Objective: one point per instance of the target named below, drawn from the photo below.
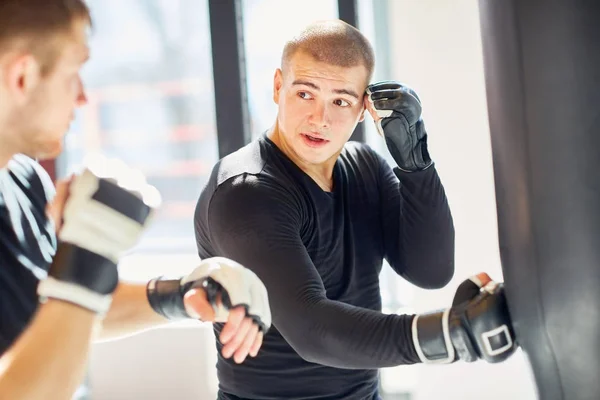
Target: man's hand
(218, 290)
(240, 336)
(99, 214)
(396, 110)
(470, 288)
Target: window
(151, 104)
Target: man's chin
(48, 152)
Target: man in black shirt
(314, 217)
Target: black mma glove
(221, 278)
(108, 207)
(400, 123)
(477, 326)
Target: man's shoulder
(244, 178)
(25, 166)
(30, 177)
(244, 191)
(249, 160)
(26, 233)
(249, 170)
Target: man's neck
(4, 158)
(322, 173)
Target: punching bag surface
(542, 69)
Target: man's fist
(103, 212)
(477, 326)
(227, 285)
(218, 290)
(396, 110)
(108, 207)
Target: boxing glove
(107, 209)
(477, 326)
(399, 110)
(227, 285)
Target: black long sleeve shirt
(320, 254)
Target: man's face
(319, 106)
(44, 112)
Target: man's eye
(341, 103)
(304, 95)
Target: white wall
(435, 47)
(171, 363)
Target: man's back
(341, 232)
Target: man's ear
(364, 109)
(362, 115)
(21, 75)
(277, 84)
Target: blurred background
(151, 82)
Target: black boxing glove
(475, 327)
(400, 123)
(222, 279)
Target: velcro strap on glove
(431, 337)
(71, 278)
(51, 288)
(166, 298)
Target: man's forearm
(49, 359)
(130, 313)
(338, 335)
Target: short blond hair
(34, 24)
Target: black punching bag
(542, 68)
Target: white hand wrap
(105, 214)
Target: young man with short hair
(62, 248)
(314, 216)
